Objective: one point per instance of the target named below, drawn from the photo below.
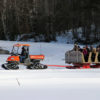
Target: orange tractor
(31, 61)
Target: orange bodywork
(38, 57)
(17, 58)
(13, 58)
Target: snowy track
(50, 85)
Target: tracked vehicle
(30, 61)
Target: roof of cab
(19, 45)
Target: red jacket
(85, 52)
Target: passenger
(75, 47)
(99, 46)
(88, 51)
(91, 48)
(93, 54)
(85, 53)
(80, 49)
(98, 50)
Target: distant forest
(49, 18)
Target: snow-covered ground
(49, 84)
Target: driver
(23, 54)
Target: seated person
(75, 47)
(98, 50)
(99, 57)
(85, 53)
(93, 55)
(23, 55)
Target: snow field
(49, 84)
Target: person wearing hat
(23, 54)
(75, 47)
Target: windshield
(18, 51)
(15, 50)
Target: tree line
(49, 18)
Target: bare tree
(4, 18)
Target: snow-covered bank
(64, 37)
